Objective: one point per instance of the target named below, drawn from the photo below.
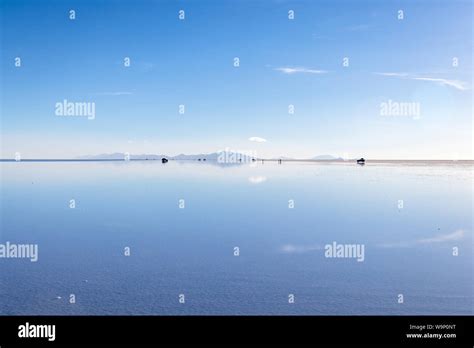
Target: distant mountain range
(119, 155)
(209, 156)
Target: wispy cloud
(457, 84)
(257, 179)
(298, 249)
(462, 86)
(456, 235)
(115, 93)
(258, 139)
(441, 238)
(295, 70)
(395, 74)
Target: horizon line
(256, 159)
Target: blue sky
(282, 62)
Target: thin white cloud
(116, 93)
(298, 249)
(257, 179)
(456, 235)
(258, 139)
(457, 84)
(391, 74)
(441, 238)
(460, 85)
(294, 70)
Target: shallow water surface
(183, 220)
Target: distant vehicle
(164, 160)
(361, 161)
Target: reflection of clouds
(441, 238)
(257, 179)
(298, 249)
(457, 235)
